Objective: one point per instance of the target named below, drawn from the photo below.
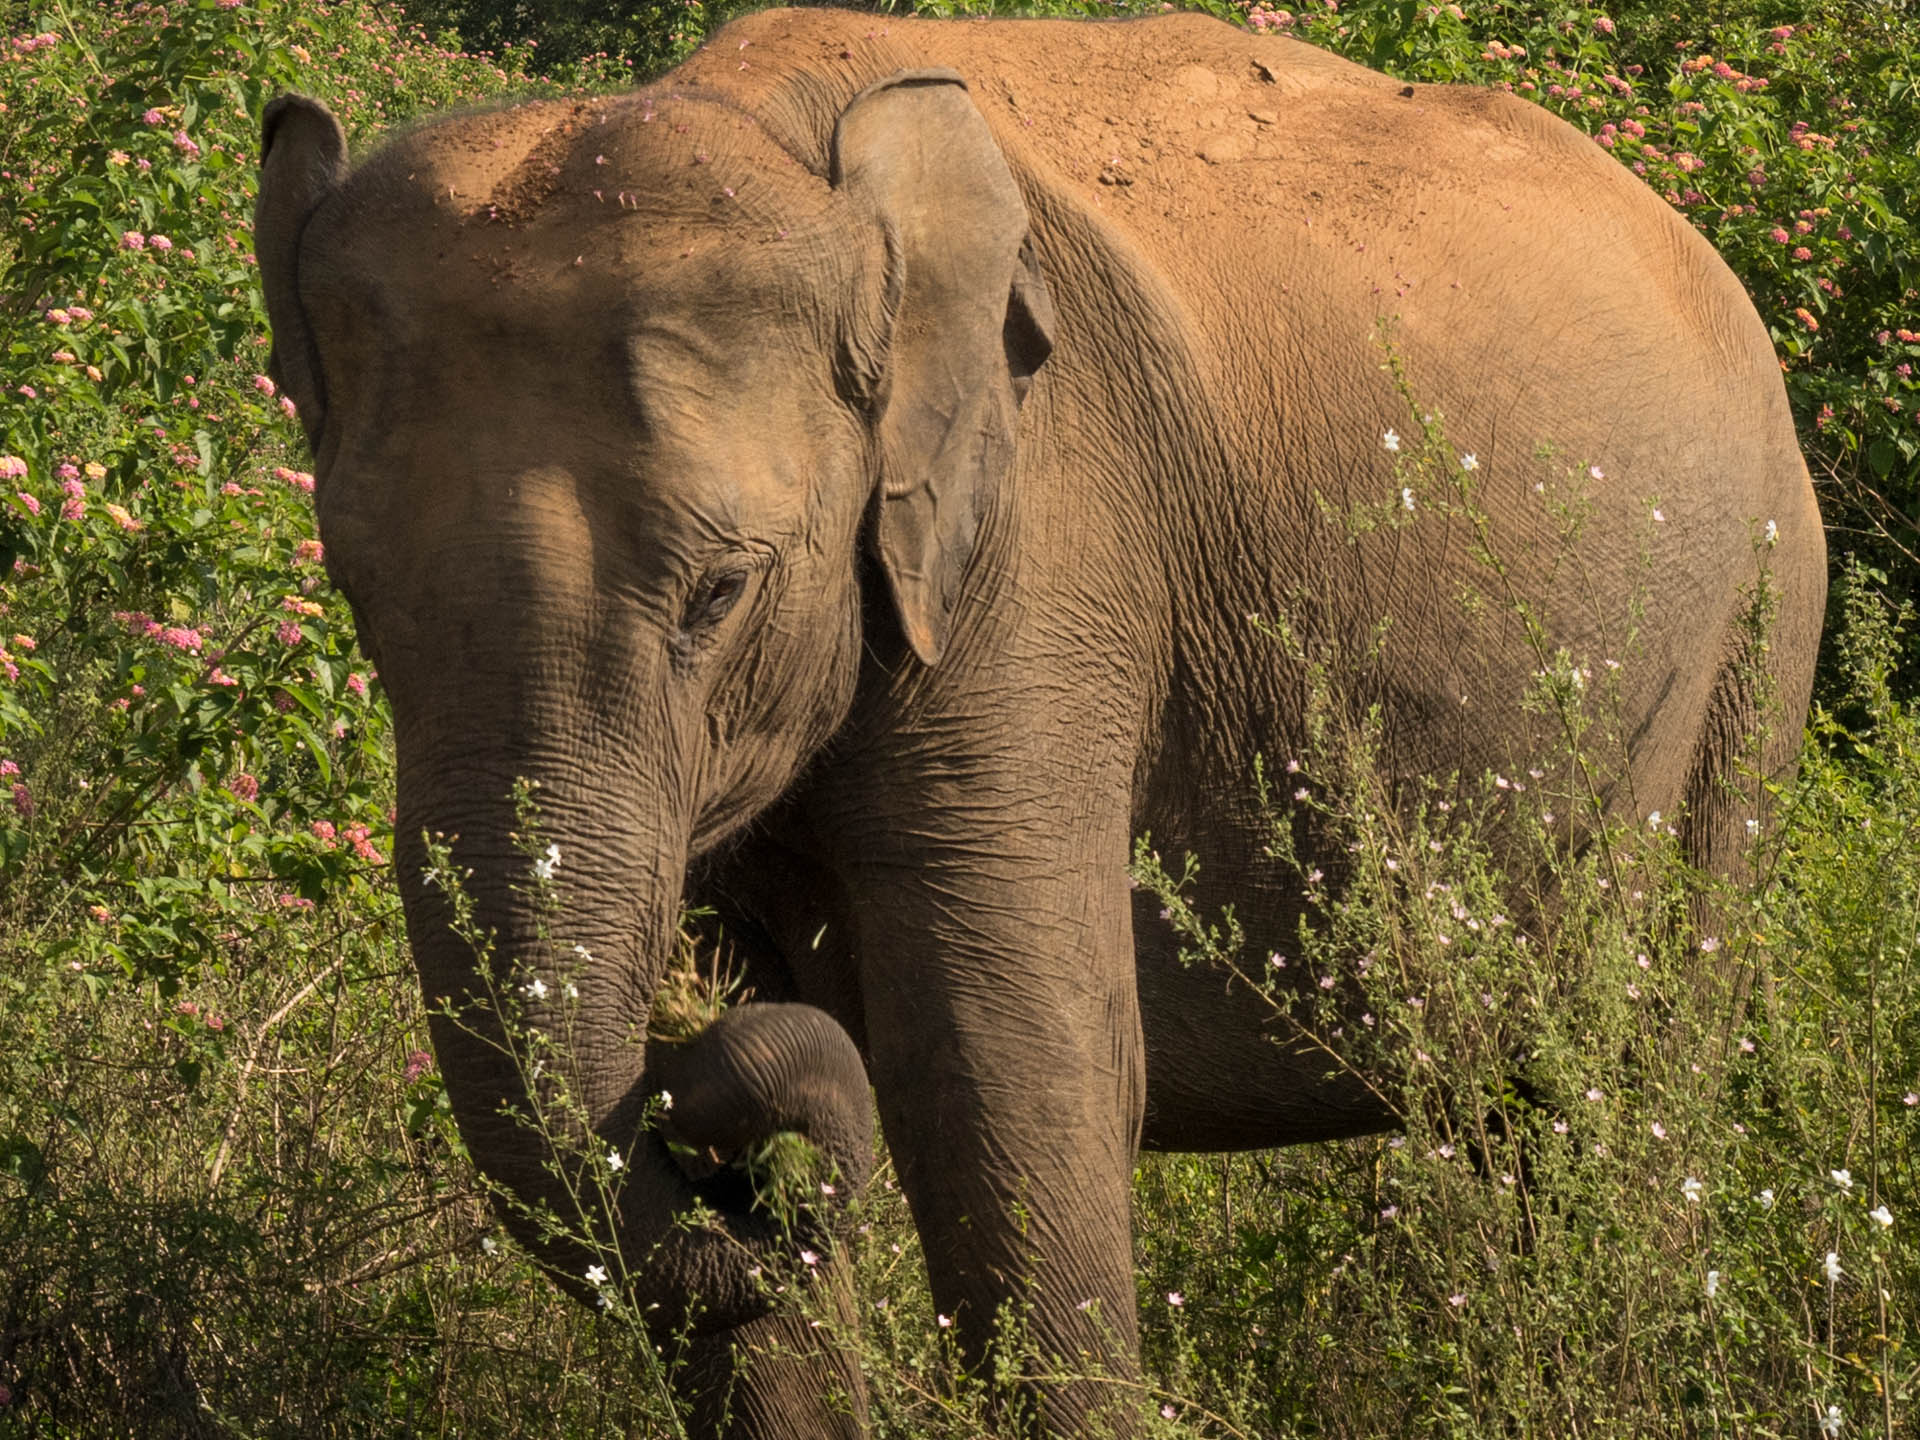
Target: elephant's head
(613, 405)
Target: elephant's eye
(713, 598)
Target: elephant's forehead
(583, 220)
(665, 156)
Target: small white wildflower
(809, 1257)
(945, 1321)
(1710, 944)
(1176, 1299)
(1830, 1422)
(1842, 1178)
(1773, 532)
(583, 953)
(615, 1160)
(1653, 820)
(666, 1099)
(1456, 1301)
(1658, 518)
(1765, 1197)
(1713, 1283)
(1167, 1412)
(1659, 1130)
(825, 1188)
(1691, 1188)
(1086, 1304)
(543, 867)
(596, 1274)
(1881, 1216)
(537, 988)
(1832, 1266)
(489, 1245)
(1469, 462)
(1594, 472)
(1406, 497)
(1391, 441)
(573, 991)
(1753, 828)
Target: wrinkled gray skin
(841, 475)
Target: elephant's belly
(1223, 1071)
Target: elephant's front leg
(1004, 1034)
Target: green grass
(231, 1198)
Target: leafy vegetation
(231, 1199)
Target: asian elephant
(846, 477)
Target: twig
(246, 1071)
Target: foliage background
(230, 1199)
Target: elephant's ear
(303, 160)
(969, 323)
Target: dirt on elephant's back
(1430, 203)
(1181, 116)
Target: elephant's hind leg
(1744, 749)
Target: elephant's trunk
(542, 1043)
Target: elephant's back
(1291, 199)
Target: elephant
(853, 477)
